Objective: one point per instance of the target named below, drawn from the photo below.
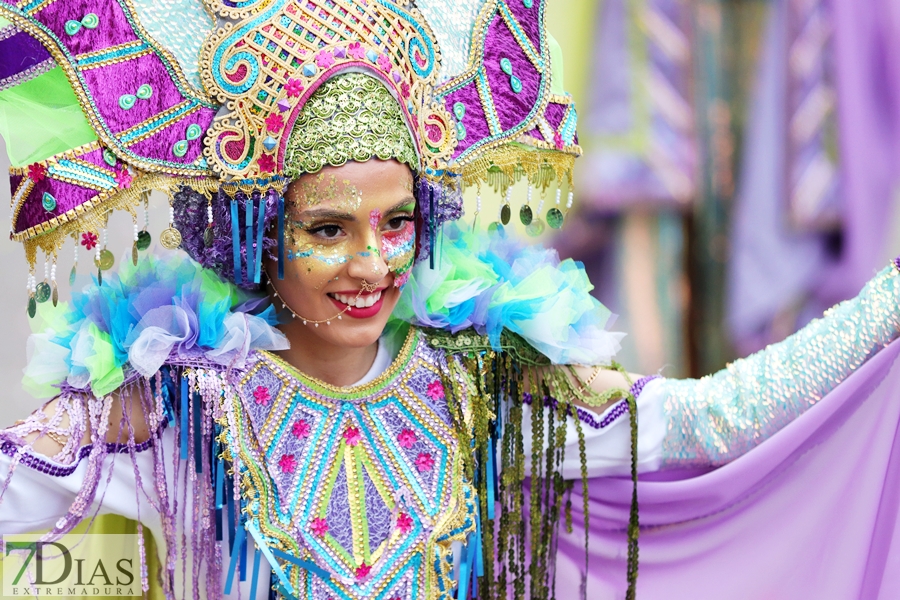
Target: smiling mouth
(354, 301)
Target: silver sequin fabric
(713, 420)
(181, 27)
(452, 24)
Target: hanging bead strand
(134, 245)
(74, 270)
(54, 293)
(525, 214)
(554, 215)
(143, 237)
(208, 232)
(170, 238)
(29, 289)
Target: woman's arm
(716, 419)
(713, 420)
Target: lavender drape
(810, 513)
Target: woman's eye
(326, 231)
(397, 223)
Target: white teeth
(358, 302)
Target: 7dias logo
(89, 565)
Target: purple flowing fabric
(810, 513)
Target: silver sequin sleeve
(714, 420)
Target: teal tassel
(280, 237)
(236, 241)
(248, 208)
(235, 552)
(184, 418)
(260, 225)
(254, 582)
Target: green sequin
(350, 117)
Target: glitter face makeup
(350, 240)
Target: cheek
(399, 250)
(318, 259)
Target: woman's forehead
(350, 186)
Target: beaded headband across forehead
(106, 100)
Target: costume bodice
(364, 482)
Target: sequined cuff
(713, 420)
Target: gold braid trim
(93, 215)
(508, 164)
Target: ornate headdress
(108, 99)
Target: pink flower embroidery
(557, 139)
(293, 88)
(424, 462)
(363, 570)
(301, 429)
(407, 438)
(356, 51)
(274, 122)
(89, 240)
(435, 390)
(37, 172)
(404, 523)
(404, 89)
(123, 178)
(261, 394)
(352, 436)
(325, 59)
(319, 527)
(384, 63)
(266, 163)
(287, 463)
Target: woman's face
(349, 246)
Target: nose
(368, 263)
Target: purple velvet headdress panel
(504, 108)
(133, 92)
(21, 57)
(56, 191)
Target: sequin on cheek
(399, 248)
(374, 219)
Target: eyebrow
(327, 213)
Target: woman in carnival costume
(337, 381)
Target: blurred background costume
(362, 492)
